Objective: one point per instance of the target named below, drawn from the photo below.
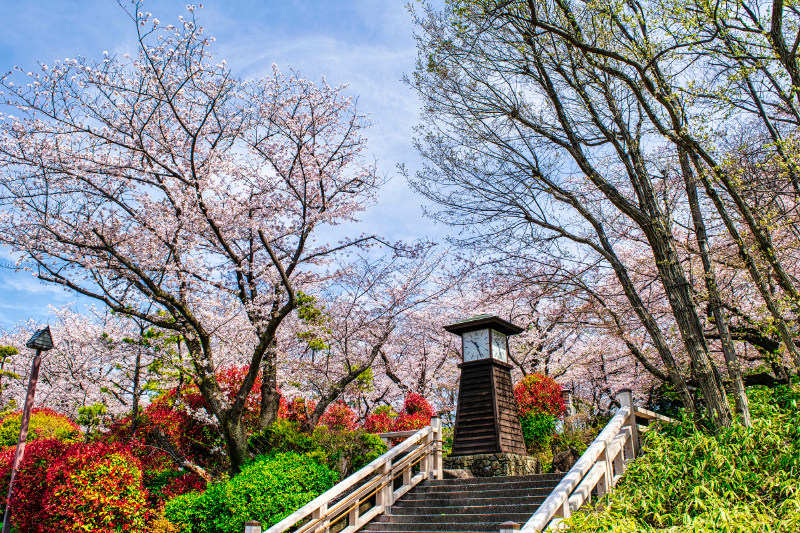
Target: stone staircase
(466, 505)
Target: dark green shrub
(537, 429)
(267, 489)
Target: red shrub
(379, 423)
(411, 421)
(299, 409)
(416, 414)
(539, 394)
(339, 416)
(230, 379)
(31, 484)
(181, 485)
(95, 487)
(417, 404)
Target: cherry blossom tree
(176, 194)
(98, 358)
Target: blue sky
(367, 44)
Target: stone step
(485, 487)
(453, 518)
(473, 499)
(461, 527)
(492, 480)
(528, 508)
(484, 493)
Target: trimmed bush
(76, 488)
(537, 429)
(341, 450)
(267, 489)
(44, 424)
(184, 511)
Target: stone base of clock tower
(495, 464)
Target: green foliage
(344, 450)
(537, 429)
(7, 351)
(267, 489)
(691, 480)
(90, 416)
(184, 511)
(315, 318)
(44, 424)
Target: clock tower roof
(481, 322)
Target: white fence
(348, 506)
(597, 471)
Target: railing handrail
(621, 433)
(560, 495)
(350, 481)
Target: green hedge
(342, 450)
(267, 489)
(739, 480)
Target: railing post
(318, 514)
(426, 462)
(605, 483)
(509, 527)
(625, 397)
(436, 426)
(353, 516)
(385, 494)
(252, 527)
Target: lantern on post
(487, 419)
(41, 342)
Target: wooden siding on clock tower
(487, 419)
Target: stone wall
(494, 464)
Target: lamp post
(41, 342)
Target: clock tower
(487, 420)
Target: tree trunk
(676, 287)
(136, 392)
(270, 396)
(235, 435)
(714, 300)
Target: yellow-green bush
(693, 481)
(44, 424)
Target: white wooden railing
(597, 470)
(348, 506)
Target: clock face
(476, 345)
(499, 346)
